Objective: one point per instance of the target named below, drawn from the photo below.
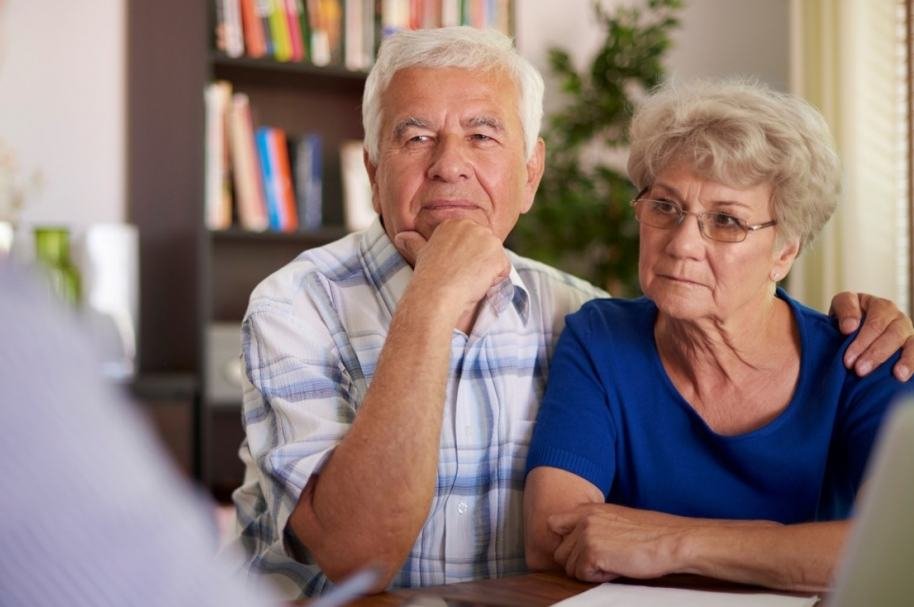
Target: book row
(262, 178)
(339, 32)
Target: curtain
(848, 57)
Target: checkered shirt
(311, 340)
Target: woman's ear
(784, 259)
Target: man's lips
(448, 205)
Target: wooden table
(535, 590)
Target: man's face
(452, 147)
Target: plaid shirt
(311, 340)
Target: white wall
(716, 38)
(63, 106)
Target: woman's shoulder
(816, 326)
(615, 316)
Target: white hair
(741, 133)
(452, 47)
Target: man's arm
(371, 498)
(885, 329)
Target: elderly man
(394, 375)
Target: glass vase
(52, 249)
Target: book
(358, 212)
(353, 22)
(293, 19)
(218, 194)
(282, 176)
(326, 21)
(263, 8)
(320, 39)
(252, 213)
(254, 39)
(279, 31)
(267, 169)
(395, 16)
(307, 171)
(232, 33)
(450, 12)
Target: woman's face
(690, 277)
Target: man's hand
(884, 331)
(462, 258)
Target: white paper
(627, 595)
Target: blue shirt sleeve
(574, 429)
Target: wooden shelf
(221, 61)
(322, 235)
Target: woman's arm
(603, 541)
(549, 491)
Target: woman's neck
(738, 371)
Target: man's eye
(417, 139)
(664, 207)
(481, 137)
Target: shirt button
(462, 508)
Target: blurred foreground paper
(627, 595)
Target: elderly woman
(732, 442)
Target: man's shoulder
(335, 262)
(545, 279)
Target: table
(536, 590)
(533, 589)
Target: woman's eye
(722, 220)
(665, 207)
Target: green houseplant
(582, 221)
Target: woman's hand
(604, 541)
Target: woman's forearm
(800, 557)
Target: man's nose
(450, 161)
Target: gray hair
(742, 133)
(456, 47)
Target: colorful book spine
(218, 194)
(293, 21)
(264, 7)
(307, 169)
(232, 30)
(279, 31)
(267, 169)
(319, 39)
(245, 166)
(282, 175)
(254, 39)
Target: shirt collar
(389, 274)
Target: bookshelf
(193, 279)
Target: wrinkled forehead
(482, 91)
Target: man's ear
(535, 166)
(372, 178)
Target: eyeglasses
(713, 225)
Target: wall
(63, 106)
(717, 37)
